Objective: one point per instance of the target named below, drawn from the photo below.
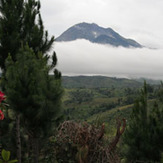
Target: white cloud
(84, 58)
(137, 19)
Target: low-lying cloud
(136, 19)
(84, 58)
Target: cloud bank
(140, 20)
(84, 58)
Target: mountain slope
(96, 34)
(98, 82)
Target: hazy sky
(141, 20)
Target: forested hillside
(98, 82)
(103, 100)
(98, 97)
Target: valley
(100, 99)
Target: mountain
(96, 34)
(98, 82)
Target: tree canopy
(21, 24)
(142, 138)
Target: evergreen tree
(33, 94)
(160, 115)
(11, 17)
(34, 33)
(21, 23)
(142, 136)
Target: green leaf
(5, 155)
(12, 161)
(1, 161)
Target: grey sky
(82, 57)
(137, 19)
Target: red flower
(2, 96)
(1, 115)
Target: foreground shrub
(82, 142)
(6, 157)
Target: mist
(82, 57)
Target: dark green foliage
(33, 29)
(21, 24)
(10, 28)
(80, 96)
(160, 93)
(142, 138)
(32, 93)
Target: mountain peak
(96, 34)
(86, 24)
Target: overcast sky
(141, 20)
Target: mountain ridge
(96, 34)
(98, 82)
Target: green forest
(49, 118)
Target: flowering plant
(5, 155)
(1, 115)
(2, 97)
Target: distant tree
(160, 93)
(34, 95)
(160, 115)
(142, 135)
(80, 95)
